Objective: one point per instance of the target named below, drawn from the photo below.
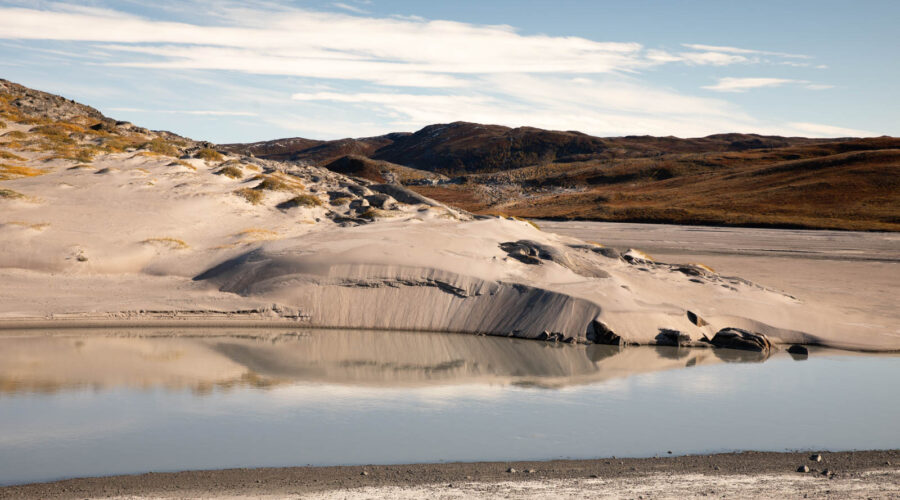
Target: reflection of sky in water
(830, 402)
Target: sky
(242, 71)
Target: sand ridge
(171, 230)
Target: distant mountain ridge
(463, 147)
(721, 179)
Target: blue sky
(255, 70)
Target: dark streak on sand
(304, 480)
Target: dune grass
(160, 146)
(6, 155)
(173, 243)
(183, 164)
(209, 154)
(9, 194)
(231, 171)
(8, 172)
(278, 182)
(16, 134)
(302, 200)
(253, 196)
(254, 234)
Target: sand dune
(168, 230)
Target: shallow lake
(82, 403)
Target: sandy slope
(145, 238)
(137, 237)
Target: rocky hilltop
(103, 223)
(723, 179)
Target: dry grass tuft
(173, 243)
(302, 200)
(533, 224)
(16, 134)
(2, 124)
(119, 144)
(272, 184)
(232, 171)
(6, 155)
(183, 164)
(160, 146)
(253, 234)
(251, 195)
(39, 226)
(9, 194)
(58, 130)
(209, 154)
(8, 172)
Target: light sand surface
(138, 238)
(855, 273)
(152, 241)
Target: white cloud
(819, 130)
(736, 50)
(745, 84)
(201, 112)
(350, 8)
(711, 58)
(402, 72)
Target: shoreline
(879, 471)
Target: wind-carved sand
(105, 223)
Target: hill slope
(723, 179)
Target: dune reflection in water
(115, 402)
(204, 360)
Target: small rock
(363, 473)
(816, 458)
(669, 452)
(803, 468)
(716, 468)
(594, 476)
(826, 472)
(798, 349)
(511, 470)
(531, 471)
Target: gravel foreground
(861, 474)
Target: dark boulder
(736, 338)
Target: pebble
(511, 470)
(803, 468)
(531, 471)
(363, 473)
(816, 458)
(594, 476)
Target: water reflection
(205, 360)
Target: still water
(112, 402)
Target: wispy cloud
(737, 50)
(200, 112)
(350, 8)
(399, 72)
(744, 84)
(816, 129)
